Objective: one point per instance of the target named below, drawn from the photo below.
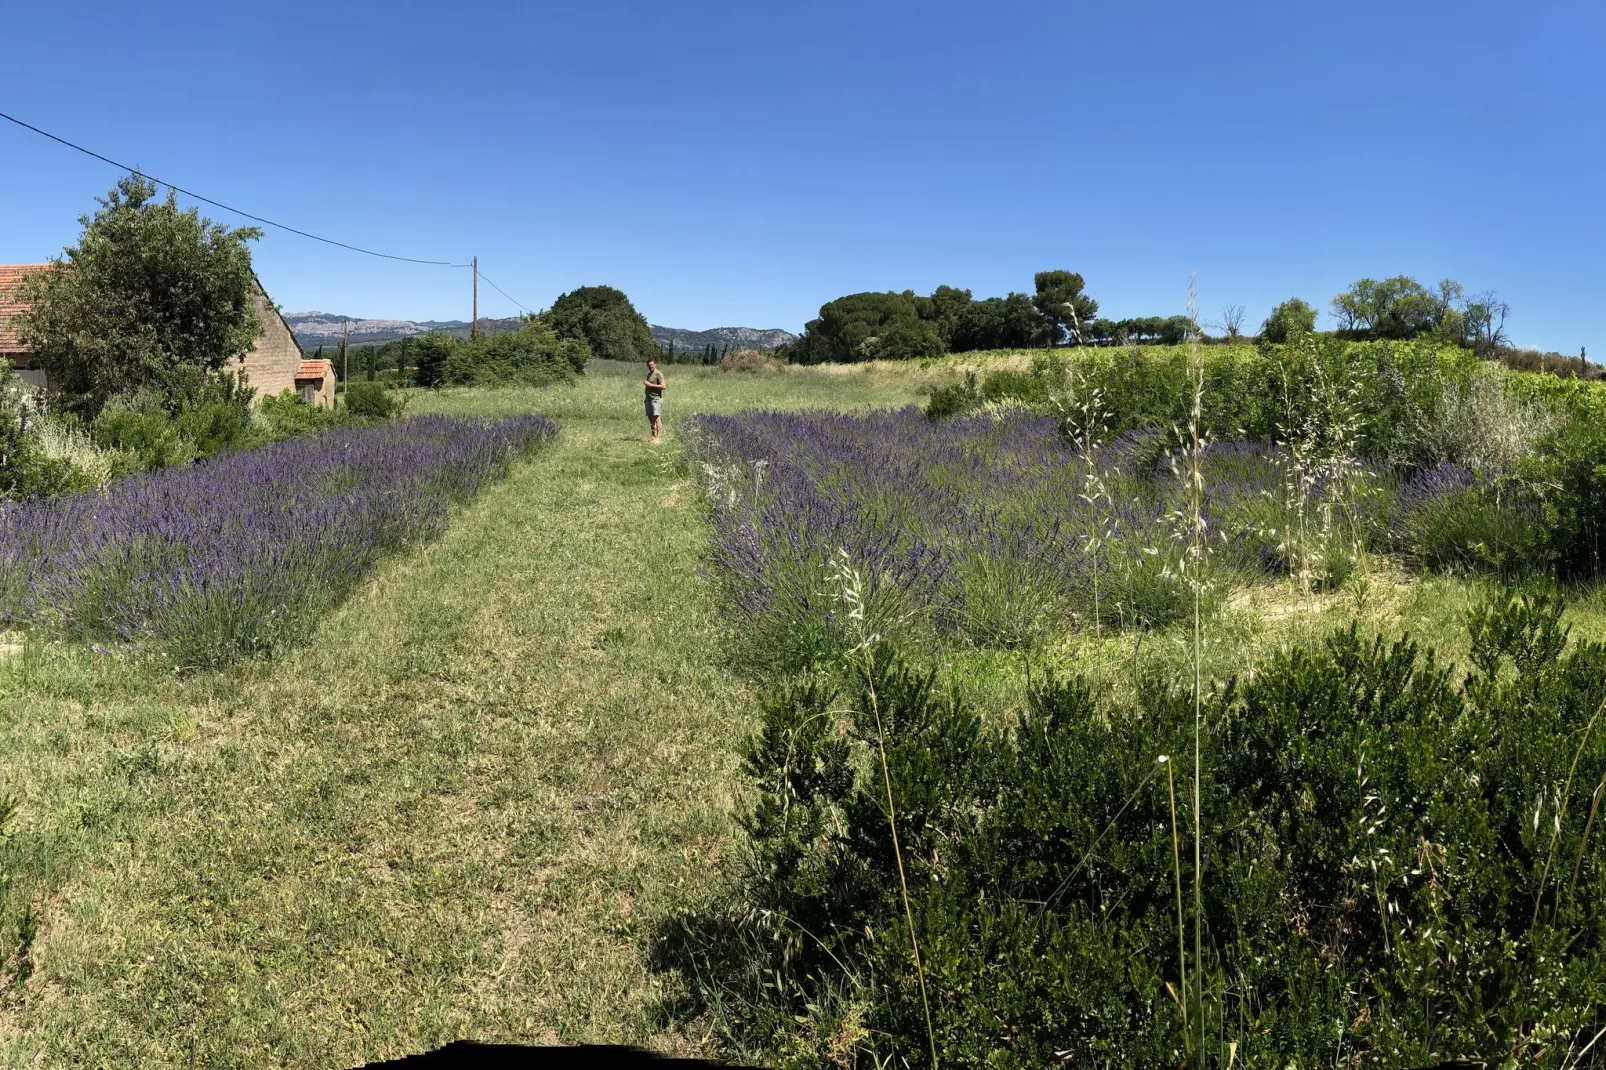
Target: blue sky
(739, 163)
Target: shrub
(374, 401)
(1024, 386)
(1487, 425)
(287, 415)
(1288, 321)
(1394, 866)
(954, 398)
(1533, 360)
(751, 361)
(144, 430)
(26, 471)
(429, 355)
(534, 355)
(1479, 526)
(62, 437)
(189, 414)
(1569, 475)
(1392, 392)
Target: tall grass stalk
(1196, 565)
(1088, 422)
(1176, 860)
(1561, 812)
(1583, 842)
(851, 592)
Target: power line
(249, 215)
(504, 293)
(229, 208)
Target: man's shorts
(655, 407)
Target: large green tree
(1062, 304)
(605, 320)
(1287, 321)
(944, 308)
(429, 354)
(998, 323)
(1399, 307)
(150, 292)
(869, 326)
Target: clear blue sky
(739, 163)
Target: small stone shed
(273, 366)
(315, 382)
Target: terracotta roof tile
(315, 369)
(11, 276)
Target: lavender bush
(238, 555)
(994, 530)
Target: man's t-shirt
(655, 385)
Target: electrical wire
(229, 208)
(504, 293)
(249, 215)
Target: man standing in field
(655, 401)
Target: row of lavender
(238, 555)
(999, 529)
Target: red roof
(315, 369)
(11, 277)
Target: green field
(463, 809)
(456, 813)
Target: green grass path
(457, 814)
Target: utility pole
(474, 327)
(345, 351)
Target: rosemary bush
(1399, 866)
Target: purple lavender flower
(237, 555)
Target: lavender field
(999, 531)
(237, 556)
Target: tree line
(583, 324)
(708, 355)
(1059, 311)
(905, 326)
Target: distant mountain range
(325, 328)
(313, 329)
(720, 337)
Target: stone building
(274, 365)
(11, 347)
(315, 382)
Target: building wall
(318, 391)
(31, 376)
(271, 366)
